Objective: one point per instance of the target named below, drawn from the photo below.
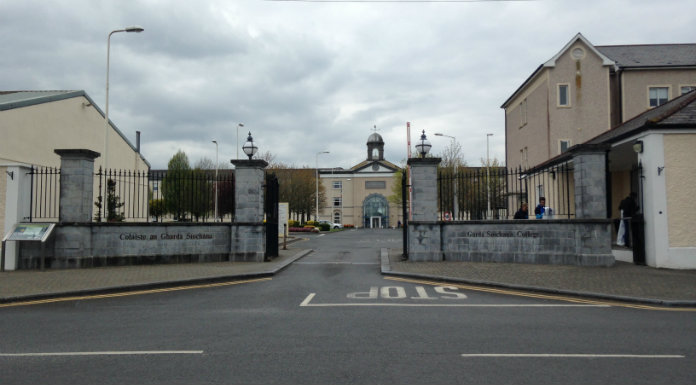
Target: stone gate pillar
(590, 178)
(424, 241)
(249, 237)
(249, 179)
(76, 184)
(73, 244)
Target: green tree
(395, 196)
(176, 185)
(202, 200)
(157, 208)
(297, 187)
(113, 203)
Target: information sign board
(30, 232)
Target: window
(540, 190)
(337, 217)
(687, 89)
(155, 186)
(563, 145)
(337, 184)
(523, 113)
(523, 156)
(375, 185)
(563, 95)
(658, 95)
(337, 201)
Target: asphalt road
(332, 318)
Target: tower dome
(375, 138)
(375, 147)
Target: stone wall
(564, 242)
(114, 244)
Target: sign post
(36, 232)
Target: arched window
(375, 211)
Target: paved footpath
(624, 281)
(24, 285)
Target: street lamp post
(456, 164)
(316, 179)
(216, 179)
(134, 28)
(238, 125)
(488, 176)
(423, 145)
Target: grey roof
(677, 113)
(651, 55)
(627, 57)
(17, 99)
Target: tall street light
(456, 164)
(216, 179)
(239, 125)
(316, 194)
(134, 28)
(488, 175)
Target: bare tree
(452, 155)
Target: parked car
(333, 225)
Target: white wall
(658, 252)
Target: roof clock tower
(375, 147)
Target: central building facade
(360, 196)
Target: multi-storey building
(638, 102)
(359, 196)
(585, 90)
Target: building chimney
(137, 142)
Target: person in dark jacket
(628, 208)
(541, 207)
(523, 212)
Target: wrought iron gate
(271, 208)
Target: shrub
(348, 226)
(324, 227)
(311, 223)
(309, 229)
(293, 223)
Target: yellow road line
(129, 293)
(541, 296)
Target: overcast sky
(307, 76)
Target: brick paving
(621, 281)
(32, 284)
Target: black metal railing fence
(165, 196)
(141, 196)
(498, 192)
(45, 193)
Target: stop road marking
(399, 292)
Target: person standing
(522, 213)
(628, 208)
(539, 210)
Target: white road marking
(106, 353)
(572, 356)
(335, 263)
(306, 303)
(308, 299)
